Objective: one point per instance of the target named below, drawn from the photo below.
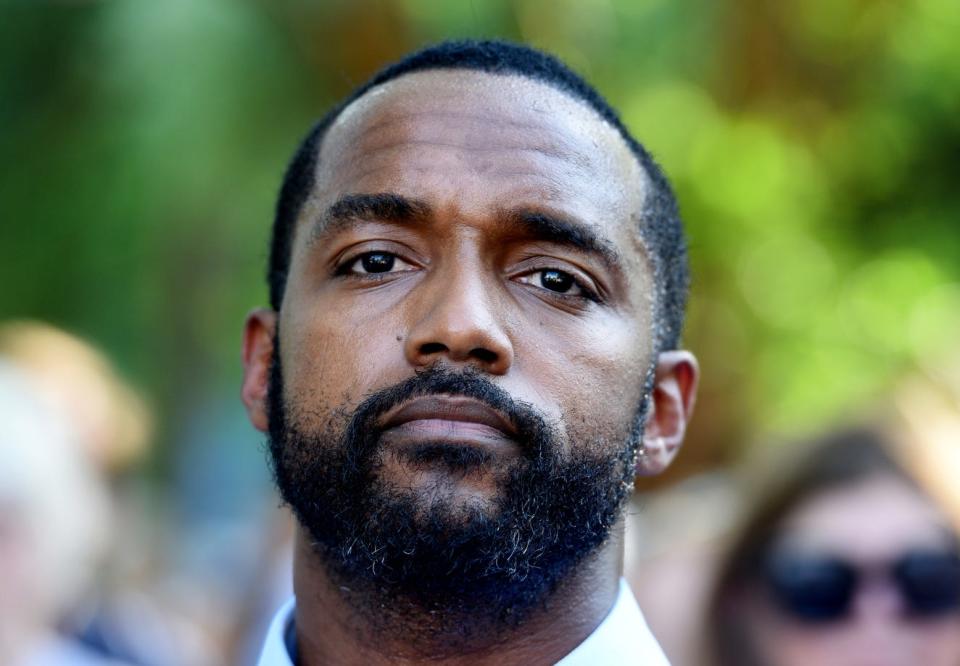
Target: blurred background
(814, 146)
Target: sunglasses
(818, 589)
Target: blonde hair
(111, 420)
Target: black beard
(475, 570)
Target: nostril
(484, 355)
(432, 348)
(481, 354)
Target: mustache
(364, 428)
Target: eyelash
(587, 293)
(343, 269)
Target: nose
(878, 603)
(457, 320)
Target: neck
(334, 625)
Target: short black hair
(661, 226)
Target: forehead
(472, 142)
(876, 517)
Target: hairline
(338, 114)
(647, 183)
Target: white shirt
(622, 638)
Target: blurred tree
(813, 143)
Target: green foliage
(814, 146)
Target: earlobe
(671, 406)
(258, 349)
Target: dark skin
(463, 218)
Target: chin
(464, 481)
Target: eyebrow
(557, 229)
(380, 206)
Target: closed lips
(441, 408)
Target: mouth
(443, 419)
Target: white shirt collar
(622, 638)
(275, 646)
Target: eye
(559, 282)
(373, 263)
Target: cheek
(898, 643)
(937, 643)
(593, 371)
(334, 356)
(780, 643)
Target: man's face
(463, 282)
(468, 272)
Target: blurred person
(54, 528)
(111, 420)
(477, 282)
(121, 613)
(846, 560)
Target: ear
(671, 405)
(258, 333)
